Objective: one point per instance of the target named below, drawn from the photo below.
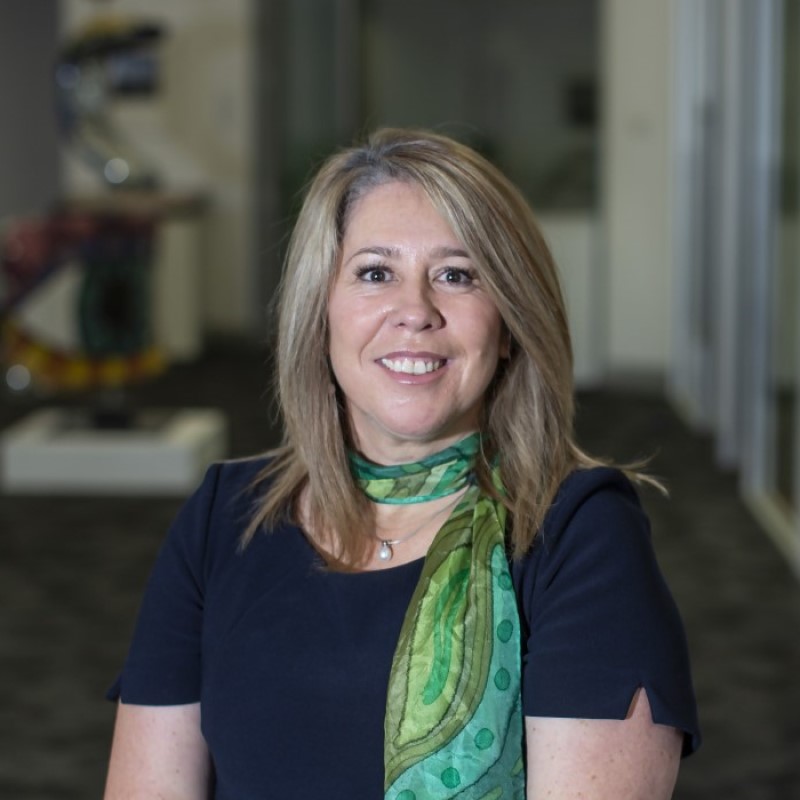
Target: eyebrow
(394, 252)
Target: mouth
(412, 366)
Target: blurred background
(152, 156)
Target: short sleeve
(163, 666)
(599, 620)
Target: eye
(373, 274)
(456, 276)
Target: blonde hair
(527, 422)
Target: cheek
(493, 337)
(348, 340)
(488, 345)
(353, 325)
(338, 354)
(340, 328)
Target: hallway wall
(636, 184)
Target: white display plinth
(56, 451)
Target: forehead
(396, 213)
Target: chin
(394, 429)
(432, 433)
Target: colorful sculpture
(75, 300)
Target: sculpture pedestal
(57, 451)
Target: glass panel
(520, 85)
(309, 92)
(786, 297)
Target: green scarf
(453, 724)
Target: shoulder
(602, 493)
(595, 533)
(596, 508)
(212, 517)
(235, 476)
(229, 484)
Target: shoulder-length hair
(527, 417)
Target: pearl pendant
(385, 552)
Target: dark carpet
(72, 570)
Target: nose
(415, 308)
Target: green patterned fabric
(453, 725)
(436, 476)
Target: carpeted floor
(72, 569)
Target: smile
(411, 366)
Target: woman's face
(414, 338)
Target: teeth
(411, 366)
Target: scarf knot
(438, 475)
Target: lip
(427, 355)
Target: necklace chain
(385, 551)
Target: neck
(421, 492)
(404, 533)
(392, 452)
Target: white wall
(199, 133)
(574, 240)
(637, 181)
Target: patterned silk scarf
(453, 725)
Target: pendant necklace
(385, 552)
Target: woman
(429, 591)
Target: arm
(630, 759)
(158, 753)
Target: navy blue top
(291, 663)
